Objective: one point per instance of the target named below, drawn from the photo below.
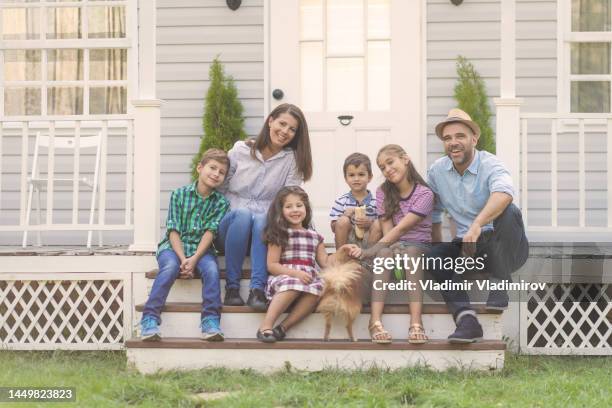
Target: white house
(135, 73)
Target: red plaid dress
(300, 253)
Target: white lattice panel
(567, 319)
(83, 313)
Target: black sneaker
(468, 330)
(232, 298)
(257, 300)
(498, 300)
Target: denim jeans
(506, 249)
(239, 230)
(169, 265)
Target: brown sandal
(378, 333)
(416, 334)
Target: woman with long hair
(279, 156)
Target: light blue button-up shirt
(464, 196)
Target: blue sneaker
(149, 329)
(210, 329)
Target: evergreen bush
(471, 96)
(223, 123)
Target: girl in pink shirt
(404, 204)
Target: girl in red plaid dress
(293, 252)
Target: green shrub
(471, 96)
(223, 122)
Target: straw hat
(457, 115)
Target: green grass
(102, 380)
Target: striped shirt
(191, 216)
(420, 201)
(348, 200)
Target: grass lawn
(102, 380)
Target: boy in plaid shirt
(193, 219)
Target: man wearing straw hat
(475, 188)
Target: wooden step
(246, 274)
(187, 307)
(190, 290)
(183, 319)
(305, 344)
(193, 353)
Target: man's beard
(467, 157)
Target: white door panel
(349, 57)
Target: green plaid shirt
(191, 216)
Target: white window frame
(129, 43)
(565, 37)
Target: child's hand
(363, 222)
(352, 250)
(304, 277)
(187, 268)
(355, 252)
(349, 212)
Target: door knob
(278, 94)
(345, 120)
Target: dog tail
(341, 278)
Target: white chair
(36, 183)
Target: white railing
(17, 138)
(580, 126)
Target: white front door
(355, 58)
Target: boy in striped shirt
(194, 214)
(357, 170)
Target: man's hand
(470, 238)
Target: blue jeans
(505, 248)
(169, 266)
(238, 230)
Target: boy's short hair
(216, 155)
(357, 159)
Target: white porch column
(507, 130)
(147, 129)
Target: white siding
(190, 34)
(473, 30)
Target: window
(64, 57)
(587, 47)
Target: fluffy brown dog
(341, 294)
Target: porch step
(246, 273)
(182, 320)
(301, 354)
(189, 290)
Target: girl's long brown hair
(392, 195)
(276, 231)
(300, 143)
